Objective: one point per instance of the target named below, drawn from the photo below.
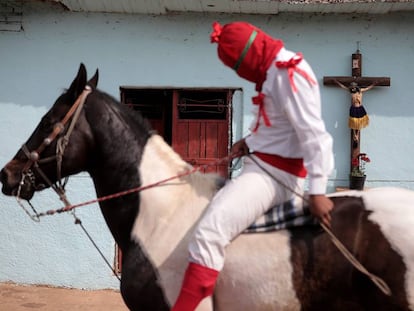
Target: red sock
(198, 283)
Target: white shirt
(297, 129)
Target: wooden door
(201, 128)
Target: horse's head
(58, 146)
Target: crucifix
(356, 85)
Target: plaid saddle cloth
(290, 214)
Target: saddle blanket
(292, 213)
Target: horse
(298, 268)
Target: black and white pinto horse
(295, 269)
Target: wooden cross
(363, 83)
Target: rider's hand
(320, 207)
(240, 148)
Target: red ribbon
(291, 68)
(215, 35)
(259, 100)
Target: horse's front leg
(140, 286)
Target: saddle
(292, 213)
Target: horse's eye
(46, 125)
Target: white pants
(236, 206)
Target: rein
(68, 208)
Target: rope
(381, 284)
(79, 222)
(69, 207)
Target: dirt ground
(41, 298)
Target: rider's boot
(198, 283)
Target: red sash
(293, 166)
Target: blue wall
(174, 50)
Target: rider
(288, 138)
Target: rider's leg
(233, 209)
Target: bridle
(34, 160)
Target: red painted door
(201, 128)
(195, 122)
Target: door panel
(201, 128)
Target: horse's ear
(93, 82)
(78, 84)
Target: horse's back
(301, 269)
(257, 274)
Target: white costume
(296, 131)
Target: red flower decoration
(355, 162)
(358, 164)
(365, 158)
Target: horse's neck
(168, 212)
(119, 143)
(119, 140)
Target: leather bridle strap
(34, 156)
(63, 141)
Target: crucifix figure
(358, 117)
(356, 85)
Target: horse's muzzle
(13, 184)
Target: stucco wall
(39, 62)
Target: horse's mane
(133, 117)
